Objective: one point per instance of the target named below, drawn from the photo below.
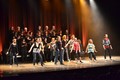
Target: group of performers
(50, 44)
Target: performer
(81, 48)
(37, 46)
(46, 53)
(77, 50)
(53, 32)
(59, 51)
(64, 42)
(40, 30)
(52, 47)
(24, 50)
(91, 50)
(107, 46)
(11, 34)
(13, 52)
(70, 45)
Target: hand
(6, 53)
(29, 51)
(96, 51)
(104, 48)
(17, 54)
(111, 48)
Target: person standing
(91, 50)
(77, 50)
(107, 46)
(59, 51)
(64, 42)
(69, 45)
(24, 50)
(36, 49)
(13, 52)
(52, 47)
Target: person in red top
(107, 46)
(76, 50)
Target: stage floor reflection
(5, 69)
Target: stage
(24, 68)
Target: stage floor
(6, 70)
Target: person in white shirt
(36, 49)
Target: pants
(13, 58)
(65, 51)
(107, 50)
(58, 53)
(24, 55)
(76, 55)
(92, 54)
(40, 58)
(52, 54)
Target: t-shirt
(76, 46)
(106, 42)
(90, 47)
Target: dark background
(31, 13)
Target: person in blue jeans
(59, 51)
(36, 47)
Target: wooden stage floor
(6, 70)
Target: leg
(16, 61)
(93, 55)
(109, 53)
(61, 56)
(105, 53)
(79, 56)
(63, 52)
(56, 57)
(41, 59)
(66, 51)
(11, 58)
(90, 55)
(34, 58)
(51, 55)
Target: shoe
(10, 66)
(61, 64)
(55, 63)
(33, 64)
(81, 61)
(68, 60)
(42, 64)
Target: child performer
(91, 50)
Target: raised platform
(50, 67)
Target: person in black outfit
(59, 51)
(24, 50)
(13, 52)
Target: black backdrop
(31, 13)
